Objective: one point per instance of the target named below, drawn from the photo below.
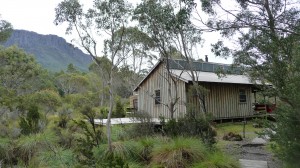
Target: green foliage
(78, 100)
(7, 97)
(191, 126)
(52, 52)
(180, 152)
(65, 115)
(287, 128)
(92, 136)
(268, 48)
(48, 100)
(57, 157)
(5, 30)
(122, 153)
(119, 111)
(217, 159)
(71, 83)
(172, 128)
(6, 151)
(18, 70)
(146, 145)
(71, 69)
(110, 160)
(28, 147)
(144, 128)
(30, 123)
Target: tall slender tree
(106, 16)
(169, 25)
(268, 37)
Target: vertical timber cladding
(222, 100)
(158, 80)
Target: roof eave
(150, 72)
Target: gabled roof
(151, 70)
(204, 72)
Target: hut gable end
(228, 97)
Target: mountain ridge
(51, 51)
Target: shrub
(192, 126)
(29, 146)
(180, 152)
(29, 124)
(57, 157)
(118, 157)
(144, 128)
(92, 137)
(6, 151)
(119, 111)
(287, 134)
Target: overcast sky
(38, 16)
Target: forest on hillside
(47, 119)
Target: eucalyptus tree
(106, 16)
(47, 100)
(101, 70)
(268, 37)
(71, 83)
(169, 25)
(18, 70)
(5, 30)
(139, 48)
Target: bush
(57, 157)
(180, 152)
(28, 147)
(144, 128)
(6, 151)
(29, 124)
(119, 111)
(121, 153)
(146, 145)
(192, 126)
(287, 134)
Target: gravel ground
(245, 150)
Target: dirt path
(246, 150)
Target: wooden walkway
(253, 163)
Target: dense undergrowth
(77, 144)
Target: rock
(259, 141)
(232, 137)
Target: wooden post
(244, 127)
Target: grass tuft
(217, 160)
(180, 152)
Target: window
(135, 103)
(243, 97)
(157, 97)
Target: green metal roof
(204, 67)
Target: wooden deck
(253, 163)
(116, 121)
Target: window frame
(242, 96)
(157, 97)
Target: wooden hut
(227, 97)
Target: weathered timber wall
(158, 80)
(222, 100)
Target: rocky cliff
(51, 51)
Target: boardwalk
(115, 121)
(253, 163)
